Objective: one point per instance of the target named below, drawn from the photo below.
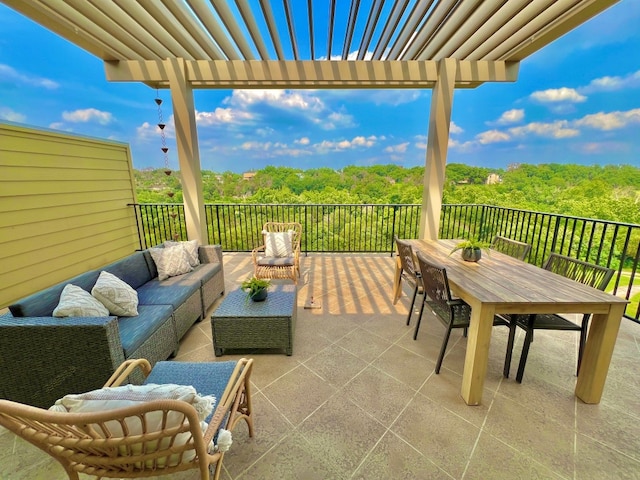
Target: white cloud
(222, 115)
(492, 136)
(88, 115)
(557, 129)
(511, 116)
(609, 121)
(274, 149)
(455, 129)
(277, 98)
(11, 74)
(335, 120)
(302, 141)
(608, 83)
(399, 148)
(265, 131)
(563, 94)
(342, 145)
(11, 115)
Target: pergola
(262, 44)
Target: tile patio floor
(359, 399)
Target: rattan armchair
(510, 247)
(276, 260)
(103, 444)
(583, 272)
(452, 312)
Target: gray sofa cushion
(136, 330)
(205, 271)
(133, 270)
(42, 303)
(172, 291)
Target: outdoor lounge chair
(150, 437)
(279, 255)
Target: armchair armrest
(125, 369)
(210, 253)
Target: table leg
(397, 281)
(598, 350)
(475, 362)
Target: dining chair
(409, 271)
(510, 247)
(574, 269)
(452, 312)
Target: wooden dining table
(499, 283)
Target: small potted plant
(256, 288)
(471, 249)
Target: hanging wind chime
(167, 171)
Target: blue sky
(575, 101)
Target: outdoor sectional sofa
(43, 358)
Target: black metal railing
(370, 228)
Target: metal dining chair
(452, 312)
(409, 271)
(510, 247)
(583, 272)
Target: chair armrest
(256, 251)
(210, 253)
(121, 375)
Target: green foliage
(253, 285)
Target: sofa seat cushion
(44, 302)
(132, 270)
(205, 271)
(135, 330)
(172, 291)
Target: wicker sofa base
(238, 324)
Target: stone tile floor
(359, 399)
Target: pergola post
(187, 146)
(437, 146)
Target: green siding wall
(63, 207)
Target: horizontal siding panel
(65, 224)
(31, 202)
(35, 174)
(46, 188)
(54, 212)
(59, 245)
(48, 160)
(66, 267)
(63, 207)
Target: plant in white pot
(256, 288)
(471, 249)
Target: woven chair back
(436, 287)
(510, 247)
(405, 253)
(580, 271)
(272, 227)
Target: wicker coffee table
(239, 323)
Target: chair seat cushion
(208, 378)
(276, 261)
(135, 330)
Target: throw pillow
(76, 302)
(111, 398)
(116, 295)
(170, 261)
(278, 244)
(191, 247)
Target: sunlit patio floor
(358, 399)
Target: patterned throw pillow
(278, 244)
(170, 261)
(116, 295)
(76, 302)
(191, 247)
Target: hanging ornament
(163, 138)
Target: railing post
(393, 228)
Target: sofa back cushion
(44, 302)
(133, 270)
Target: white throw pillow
(111, 398)
(76, 302)
(115, 294)
(170, 261)
(191, 247)
(278, 244)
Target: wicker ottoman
(239, 323)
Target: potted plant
(471, 249)
(256, 288)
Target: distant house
(248, 175)
(493, 179)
